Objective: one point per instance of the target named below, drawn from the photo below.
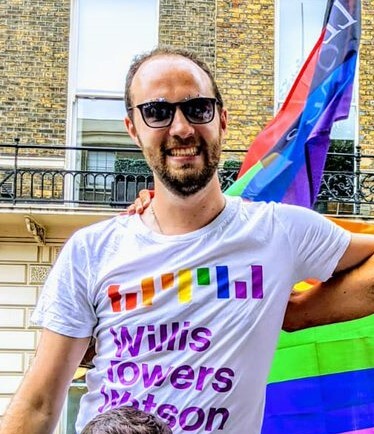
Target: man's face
(184, 156)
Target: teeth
(184, 152)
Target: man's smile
(190, 151)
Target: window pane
(100, 122)
(300, 24)
(76, 392)
(100, 161)
(345, 129)
(110, 33)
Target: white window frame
(74, 94)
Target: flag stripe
(323, 350)
(238, 187)
(320, 405)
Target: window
(299, 23)
(105, 37)
(109, 33)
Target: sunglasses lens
(160, 114)
(157, 114)
(199, 110)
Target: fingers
(130, 210)
(141, 203)
(146, 196)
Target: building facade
(63, 67)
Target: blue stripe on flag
(326, 404)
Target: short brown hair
(167, 51)
(126, 420)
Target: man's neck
(170, 214)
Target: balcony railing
(349, 192)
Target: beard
(187, 179)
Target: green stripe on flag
(239, 185)
(341, 347)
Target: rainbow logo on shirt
(183, 282)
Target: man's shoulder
(252, 208)
(105, 224)
(278, 209)
(275, 214)
(100, 230)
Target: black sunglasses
(160, 114)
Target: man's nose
(180, 125)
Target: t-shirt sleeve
(64, 305)
(317, 243)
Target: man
(185, 302)
(126, 420)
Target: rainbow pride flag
(322, 378)
(286, 160)
(322, 381)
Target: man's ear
(130, 127)
(223, 120)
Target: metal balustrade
(341, 193)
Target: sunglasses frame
(173, 106)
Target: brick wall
(34, 44)
(189, 24)
(23, 269)
(366, 94)
(236, 39)
(245, 66)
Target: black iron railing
(342, 192)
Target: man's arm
(348, 295)
(36, 407)
(360, 248)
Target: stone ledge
(59, 223)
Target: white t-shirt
(187, 325)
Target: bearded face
(184, 154)
(184, 166)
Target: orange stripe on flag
(355, 226)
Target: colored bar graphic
(223, 289)
(130, 300)
(295, 406)
(148, 289)
(115, 297)
(184, 286)
(257, 281)
(241, 290)
(203, 276)
(167, 280)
